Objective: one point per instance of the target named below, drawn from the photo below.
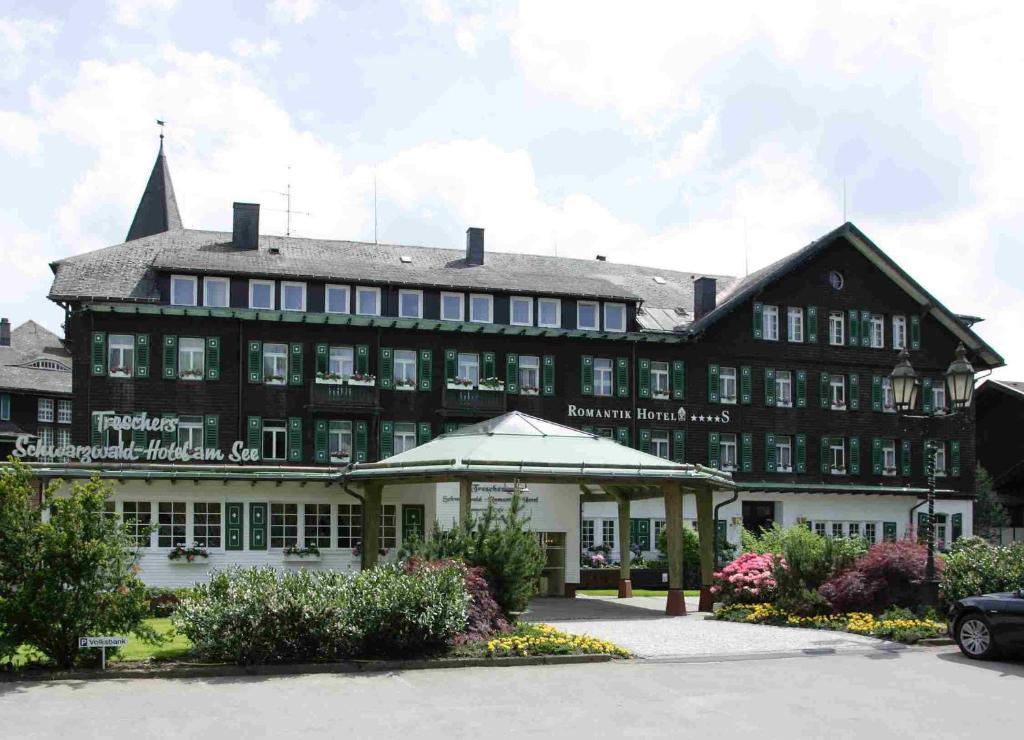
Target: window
(316, 529)
(410, 304)
(783, 388)
(367, 301)
(836, 328)
(63, 412)
(837, 392)
(275, 363)
(838, 451)
(481, 308)
(529, 375)
(938, 397)
(284, 525)
(191, 358)
(339, 441)
(138, 515)
(783, 454)
(261, 294)
(877, 331)
(170, 531)
(940, 458)
(602, 376)
(216, 292)
(341, 362)
(336, 299)
(899, 332)
(889, 457)
(940, 531)
(206, 524)
(888, 400)
(45, 435)
(63, 437)
(405, 369)
(819, 529)
(274, 446)
(44, 409)
(586, 534)
(606, 432)
(183, 290)
(293, 296)
(659, 380)
(469, 368)
(452, 306)
(727, 451)
(190, 432)
(350, 525)
(521, 311)
(727, 384)
(388, 526)
(853, 529)
(614, 317)
(549, 312)
(796, 324)
(586, 315)
(113, 437)
(608, 532)
(659, 444)
(121, 355)
(659, 527)
(5, 406)
(870, 532)
(770, 323)
(405, 436)
(837, 529)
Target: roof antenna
(161, 125)
(287, 210)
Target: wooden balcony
(337, 397)
(474, 402)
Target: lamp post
(959, 380)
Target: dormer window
(293, 296)
(336, 299)
(521, 311)
(261, 294)
(216, 292)
(481, 308)
(549, 313)
(410, 304)
(183, 290)
(614, 317)
(586, 315)
(49, 365)
(452, 306)
(367, 301)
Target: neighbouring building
(999, 410)
(226, 379)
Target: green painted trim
(840, 488)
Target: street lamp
(905, 388)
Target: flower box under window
(492, 384)
(181, 555)
(273, 379)
(329, 378)
(190, 375)
(889, 471)
(660, 395)
(460, 384)
(296, 554)
(529, 390)
(120, 372)
(405, 384)
(838, 471)
(839, 407)
(784, 469)
(361, 379)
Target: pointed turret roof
(158, 209)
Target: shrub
(975, 567)
(885, 576)
(483, 615)
(747, 579)
(812, 559)
(163, 601)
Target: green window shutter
(770, 462)
(927, 396)
(451, 365)
(954, 458)
(622, 377)
(643, 378)
(853, 396)
(323, 359)
(853, 330)
(714, 388)
(426, 369)
(254, 436)
(812, 325)
(587, 375)
(865, 328)
(233, 514)
(294, 439)
(905, 457)
(801, 389)
(769, 386)
(747, 452)
(622, 435)
(512, 373)
(320, 440)
(889, 531)
(95, 435)
(746, 384)
(139, 441)
(489, 365)
(295, 372)
(211, 432)
(549, 376)
(257, 526)
(640, 533)
(213, 358)
(876, 392)
(451, 426)
(823, 390)
(826, 466)
(168, 437)
(854, 461)
(386, 444)
(255, 354)
(915, 332)
(678, 380)
(678, 445)
(645, 440)
(386, 368)
(170, 357)
(801, 453)
(98, 353)
(758, 321)
(958, 527)
(714, 453)
(142, 355)
(363, 359)
(589, 429)
(922, 526)
(423, 433)
(361, 441)
(876, 456)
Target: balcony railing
(337, 397)
(474, 402)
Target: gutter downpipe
(718, 507)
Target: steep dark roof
(1014, 388)
(158, 209)
(31, 342)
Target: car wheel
(974, 636)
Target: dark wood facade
(1000, 414)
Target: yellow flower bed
(543, 639)
(860, 623)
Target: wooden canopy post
(465, 499)
(625, 554)
(371, 525)
(675, 606)
(706, 533)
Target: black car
(984, 625)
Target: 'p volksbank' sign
(679, 416)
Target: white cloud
(467, 19)
(19, 134)
(19, 40)
(134, 13)
(692, 150)
(256, 49)
(294, 11)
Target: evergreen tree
(989, 513)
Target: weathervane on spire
(161, 125)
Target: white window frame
(418, 295)
(285, 516)
(871, 527)
(610, 370)
(940, 455)
(899, 332)
(5, 406)
(462, 306)
(64, 409)
(489, 299)
(183, 351)
(597, 315)
(783, 442)
(279, 431)
(512, 310)
(770, 323)
(724, 378)
(837, 455)
(285, 285)
(209, 522)
(364, 289)
(877, 331)
(587, 534)
(338, 431)
(327, 298)
(313, 527)
(889, 451)
(171, 515)
(186, 279)
(727, 451)
(784, 380)
(191, 428)
(472, 361)
(123, 349)
(279, 357)
(207, 282)
(660, 443)
(607, 323)
(339, 360)
(273, 294)
(939, 393)
(837, 400)
(795, 325)
(406, 432)
(406, 358)
(45, 410)
(837, 328)
(529, 364)
(660, 380)
(888, 399)
(608, 532)
(557, 303)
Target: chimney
(703, 297)
(474, 246)
(601, 258)
(5, 333)
(245, 232)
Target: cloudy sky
(705, 138)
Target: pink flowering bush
(748, 579)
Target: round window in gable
(835, 279)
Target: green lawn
(177, 647)
(636, 592)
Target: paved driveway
(640, 625)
